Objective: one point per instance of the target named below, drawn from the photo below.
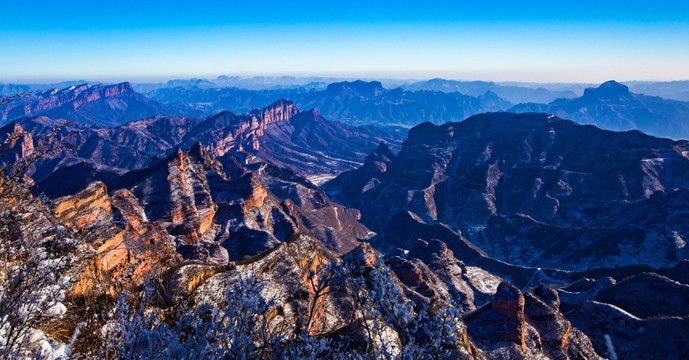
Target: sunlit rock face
(125, 247)
(224, 209)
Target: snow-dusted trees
(231, 329)
(239, 327)
(393, 327)
(372, 320)
(33, 258)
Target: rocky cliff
(122, 246)
(224, 208)
(533, 189)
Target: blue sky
(544, 41)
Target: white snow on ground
(655, 161)
(679, 242)
(42, 346)
(621, 312)
(484, 281)
(320, 179)
(50, 349)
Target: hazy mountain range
(102, 105)
(612, 106)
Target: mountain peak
(384, 149)
(197, 149)
(608, 90)
(380, 157)
(125, 85)
(281, 110)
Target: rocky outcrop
(225, 209)
(90, 212)
(288, 274)
(640, 314)
(431, 272)
(125, 247)
(501, 320)
(89, 206)
(20, 143)
(526, 326)
(17, 152)
(559, 338)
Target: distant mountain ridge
(673, 90)
(301, 140)
(612, 106)
(103, 105)
(514, 94)
(356, 103)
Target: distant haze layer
(497, 41)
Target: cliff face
(125, 247)
(239, 133)
(224, 209)
(21, 144)
(18, 149)
(503, 179)
(175, 193)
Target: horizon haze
(534, 41)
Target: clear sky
(543, 41)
